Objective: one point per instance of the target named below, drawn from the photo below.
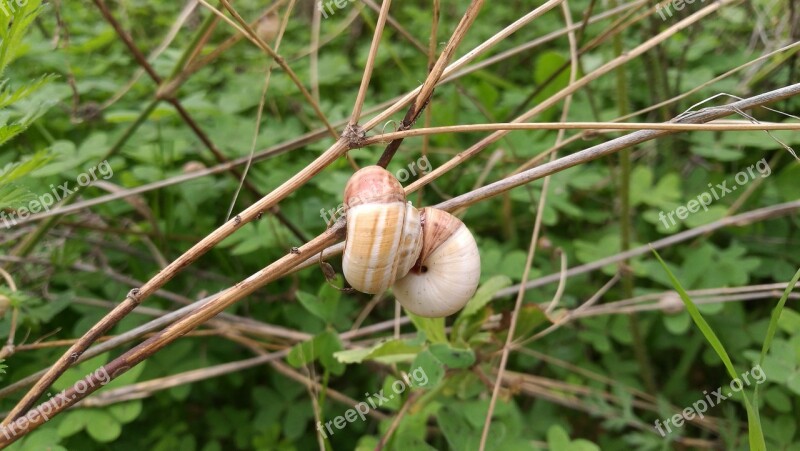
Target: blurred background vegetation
(74, 96)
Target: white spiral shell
(448, 271)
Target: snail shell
(268, 27)
(384, 235)
(447, 273)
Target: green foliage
(12, 193)
(69, 98)
(20, 107)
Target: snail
(428, 257)
(268, 27)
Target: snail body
(428, 257)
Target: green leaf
(43, 438)
(102, 426)
(558, 439)
(776, 314)
(664, 194)
(387, 352)
(322, 347)
(15, 171)
(322, 309)
(126, 412)
(778, 400)
(453, 357)
(13, 27)
(677, 323)
(531, 316)
(484, 294)
(590, 251)
(71, 423)
(430, 367)
(787, 182)
(433, 328)
(394, 400)
(789, 321)
(455, 428)
(8, 98)
(709, 145)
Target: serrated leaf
(7, 97)
(12, 29)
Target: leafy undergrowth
(69, 109)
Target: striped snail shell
(384, 237)
(447, 272)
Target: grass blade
(776, 314)
(755, 434)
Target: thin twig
(370, 65)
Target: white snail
(447, 272)
(429, 258)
